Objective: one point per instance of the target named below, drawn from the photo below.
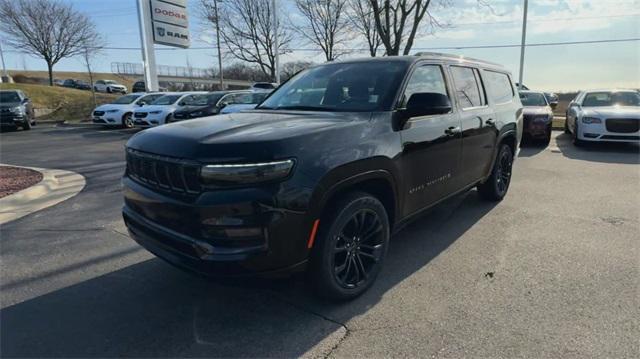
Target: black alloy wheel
(497, 185)
(358, 247)
(351, 246)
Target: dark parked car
(324, 170)
(16, 110)
(76, 84)
(211, 103)
(538, 116)
(139, 86)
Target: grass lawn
(68, 104)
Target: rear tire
(350, 247)
(496, 186)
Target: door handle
(490, 122)
(452, 131)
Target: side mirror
(223, 105)
(427, 103)
(25, 100)
(181, 103)
(553, 105)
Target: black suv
(324, 170)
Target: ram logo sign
(170, 22)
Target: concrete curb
(56, 186)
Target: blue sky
(565, 67)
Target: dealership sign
(170, 22)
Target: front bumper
(597, 132)
(536, 127)
(11, 120)
(109, 119)
(150, 120)
(224, 233)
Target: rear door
(431, 144)
(479, 132)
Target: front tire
(574, 136)
(496, 186)
(566, 126)
(108, 89)
(350, 248)
(127, 120)
(26, 125)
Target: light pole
(275, 35)
(522, 45)
(4, 68)
(220, 75)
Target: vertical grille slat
(162, 173)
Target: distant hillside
(42, 77)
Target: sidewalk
(55, 187)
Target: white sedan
(161, 110)
(120, 111)
(604, 115)
(109, 86)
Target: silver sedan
(604, 115)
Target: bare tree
(248, 34)
(364, 22)
(326, 25)
(289, 69)
(49, 29)
(394, 17)
(209, 11)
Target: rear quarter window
(499, 86)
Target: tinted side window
(427, 78)
(500, 89)
(467, 88)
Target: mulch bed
(14, 179)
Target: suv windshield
(7, 97)
(355, 86)
(166, 100)
(532, 99)
(125, 100)
(601, 99)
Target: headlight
(16, 109)
(155, 112)
(589, 120)
(230, 174)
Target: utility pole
(522, 45)
(4, 68)
(220, 75)
(148, 52)
(275, 31)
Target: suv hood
(536, 110)
(612, 111)
(250, 135)
(10, 104)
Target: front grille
(623, 125)
(4, 110)
(140, 115)
(98, 113)
(163, 173)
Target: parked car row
(142, 109)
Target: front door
(431, 144)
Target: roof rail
(454, 57)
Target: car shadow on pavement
(152, 309)
(608, 152)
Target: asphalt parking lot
(552, 271)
